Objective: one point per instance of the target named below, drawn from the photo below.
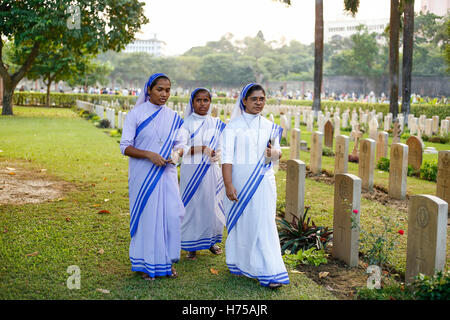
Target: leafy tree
(91, 25)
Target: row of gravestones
(400, 156)
(427, 221)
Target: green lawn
(69, 231)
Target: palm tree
(394, 28)
(408, 34)
(318, 55)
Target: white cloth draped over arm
(228, 145)
(128, 132)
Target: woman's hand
(271, 154)
(231, 192)
(156, 159)
(175, 157)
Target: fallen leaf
(103, 211)
(43, 170)
(33, 254)
(101, 251)
(102, 290)
(67, 219)
(323, 274)
(107, 164)
(104, 179)
(93, 184)
(296, 271)
(214, 271)
(11, 173)
(95, 205)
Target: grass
(69, 231)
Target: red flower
(355, 211)
(401, 232)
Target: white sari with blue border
(201, 184)
(252, 246)
(156, 210)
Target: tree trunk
(10, 81)
(7, 108)
(318, 56)
(408, 34)
(394, 26)
(47, 99)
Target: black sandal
(192, 255)
(215, 249)
(274, 285)
(174, 273)
(145, 276)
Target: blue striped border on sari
(153, 177)
(264, 280)
(250, 186)
(201, 244)
(203, 167)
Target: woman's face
(201, 103)
(255, 102)
(160, 92)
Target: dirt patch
(379, 193)
(20, 184)
(338, 278)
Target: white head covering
(239, 106)
(190, 108)
(144, 96)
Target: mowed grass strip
(38, 242)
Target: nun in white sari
(201, 183)
(250, 146)
(150, 139)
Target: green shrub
(312, 256)
(300, 235)
(428, 170)
(412, 172)
(436, 287)
(328, 152)
(104, 123)
(383, 164)
(393, 291)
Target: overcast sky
(182, 24)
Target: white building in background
(438, 7)
(153, 46)
(346, 27)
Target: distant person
(250, 146)
(150, 139)
(201, 183)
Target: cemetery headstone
(366, 163)
(382, 145)
(443, 176)
(347, 197)
(415, 152)
(398, 170)
(328, 134)
(341, 154)
(316, 152)
(295, 143)
(427, 235)
(295, 189)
